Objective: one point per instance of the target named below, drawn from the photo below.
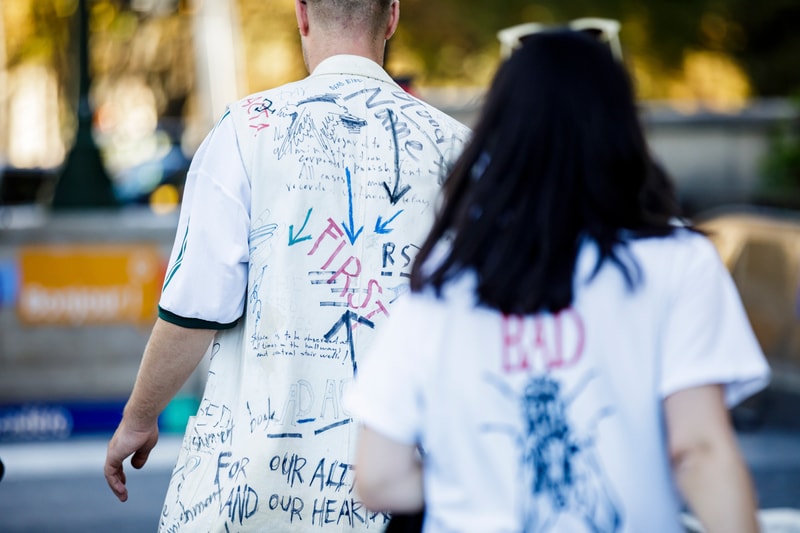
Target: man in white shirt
(303, 209)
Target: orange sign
(89, 284)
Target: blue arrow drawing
(350, 230)
(295, 239)
(381, 227)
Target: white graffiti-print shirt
(303, 210)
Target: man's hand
(127, 441)
(171, 355)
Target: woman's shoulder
(683, 243)
(684, 255)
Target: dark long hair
(558, 155)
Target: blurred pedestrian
(302, 211)
(569, 350)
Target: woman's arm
(388, 473)
(706, 461)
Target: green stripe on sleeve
(192, 323)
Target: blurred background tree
(718, 52)
(143, 77)
(781, 165)
(712, 55)
(769, 44)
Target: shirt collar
(354, 65)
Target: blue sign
(9, 282)
(56, 421)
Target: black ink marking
(333, 304)
(352, 123)
(397, 192)
(371, 103)
(347, 321)
(326, 98)
(332, 426)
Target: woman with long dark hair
(570, 350)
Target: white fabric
(212, 251)
(304, 208)
(554, 423)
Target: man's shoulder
(271, 94)
(311, 88)
(258, 110)
(442, 116)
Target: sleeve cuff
(192, 323)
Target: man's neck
(314, 55)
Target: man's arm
(171, 355)
(388, 474)
(706, 461)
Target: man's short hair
(364, 15)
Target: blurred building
(77, 290)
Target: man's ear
(301, 11)
(394, 18)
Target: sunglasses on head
(604, 30)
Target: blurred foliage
(769, 46)
(447, 29)
(781, 164)
(707, 50)
(157, 48)
(271, 43)
(661, 38)
(675, 48)
(698, 54)
(124, 43)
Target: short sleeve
(388, 395)
(206, 278)
(707, 335)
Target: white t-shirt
(554, 422)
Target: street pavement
(59, 486)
